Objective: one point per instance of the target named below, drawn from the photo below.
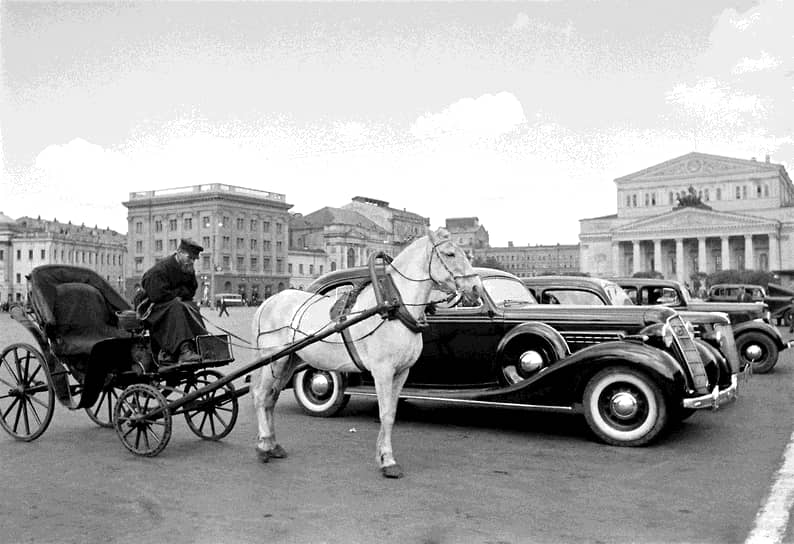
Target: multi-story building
(351, 234)
(305, 265)
(525, 261)
(468, 234)
(744, 220)
(244, 232)
(27, 243)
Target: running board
(467, 402)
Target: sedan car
(630, 371)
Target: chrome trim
(716, 398)
(537, 407)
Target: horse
(387, 348)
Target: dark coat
(174, 317)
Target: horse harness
(387, 298)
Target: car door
(459, 346)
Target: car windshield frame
(506, 292)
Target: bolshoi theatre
(695, 213)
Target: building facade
(468, 234)
(351, 234)
(527, 261)
(27, 243)
(244, 232)
(306, 265)
(745, 220)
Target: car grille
(685, 343)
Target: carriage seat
(82, 319)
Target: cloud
(760, 64)
(716, 103)
(487, 116)
(521, 21)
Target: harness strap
(350, 346)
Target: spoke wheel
(101, 413)
(215, 419)
(27, 399)
(142, 435)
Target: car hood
(588, 314)
(728, 307)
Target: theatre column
(658, 265)
(637, 265)
(726, 252)
(617, 269)
(702, 264)
(680, 274)
(748, 252)
(774, 252)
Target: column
(748, 252)
(657, 256)
(617, 270)
(702, 264)
(774, 252)
(637, 264)
(726, 252)
(679, 260)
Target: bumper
(790, 344)
(717, 397)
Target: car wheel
(624, 407)
(522, 359)
(758, 350)
(320, 393)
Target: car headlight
(668, 336)
(690, 327)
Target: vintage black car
(631, 371)
(758, 342)
(776, 297)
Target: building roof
(340, 216)
(462, 223)
(5, 219)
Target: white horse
(386, 348)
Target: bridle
(442, 285)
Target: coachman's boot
(187, 354)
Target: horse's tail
(256, 325)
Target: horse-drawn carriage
(93, 353)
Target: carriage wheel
(215, 419)
(146, 436)
(27, 399)
(101, 413)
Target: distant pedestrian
(222, 307)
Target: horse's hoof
(262, 454)
(392, 471)
(277, 452)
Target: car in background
(757, 341)
(777, 298)
(231, 299)
(630, 371)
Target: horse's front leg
(388, 387)
(265, 389)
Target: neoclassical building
(746, 220)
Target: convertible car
(630, 371)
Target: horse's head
(450, 269)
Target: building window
(706, 195)
(205, 221)
(240, 243)
(227, 242)
(265, 226)
(139, 247)
(158, 226)
(634, 201)
(205, 262)
(266, 264)
(321, 269)
(205, 241)
(266, 245)
(744, 192)
(719, 193)
(253, 244)
(279, 266)
(239, 264)
(766, 190)
(172, 224)
(254, 263)
(138, 227)
(311, 269)
(226, 262)
(289, 268)
(647, 199)
(2, 255)
(139, 264)
(187, 223)
(172, 244)
(333, 266)
(278, 228)
(628, 200)
(158, 245)
(240, 223)
(30, 254)
(738, 193)
(43, 254)
(19, 254)
(253, 225)
(300, 269)
(19, 277)
(279, 246)
(225, 221)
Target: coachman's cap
(190, 247)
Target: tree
(653, 274)
(754, 277)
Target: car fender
(538, 330)
(761, 328)
(572, 373)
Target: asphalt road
(472, 476)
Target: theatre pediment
(694, 165)
(692, 221)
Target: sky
(521, 113)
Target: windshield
(508, 292)
(617, 296)
(684, 293)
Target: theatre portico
(740, 217)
